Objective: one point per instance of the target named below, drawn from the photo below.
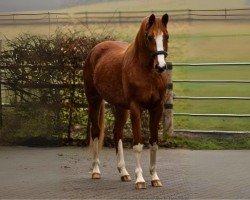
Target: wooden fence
(170, 97)
(168, 112)
(121, 16)
(1, 104)
(168, 115)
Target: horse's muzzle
(160, 69)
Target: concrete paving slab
(65, 173)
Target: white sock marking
(138, 170)
(160, 47)
(153, 150)
(96, 161)
(120, 160)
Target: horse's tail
(101, 124)
(102, 128)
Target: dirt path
(64, 173)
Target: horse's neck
(139, 52)
(141, 55)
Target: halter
(156, 53)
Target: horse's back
(107, 50)
(103, 71)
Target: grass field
(191, 41)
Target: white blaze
(160, 47)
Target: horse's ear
(164, 19)
(151, 20)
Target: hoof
(126, 178)
(140, 185)
(156, 183)
(96, 176)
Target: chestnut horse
(131, 77)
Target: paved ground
(65, 173)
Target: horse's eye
(150, 37)
(166, 37)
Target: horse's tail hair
(102, 124)
(102, 129)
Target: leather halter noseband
(156, 53)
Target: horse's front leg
(121, 116)
(155, 116)
(135, 114)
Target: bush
(45, 76)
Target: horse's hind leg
(121, 116)
(96, 109)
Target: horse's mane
(138, 46)
(139, 42)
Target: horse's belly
(108, 82)
(112, 96)
(106, 61)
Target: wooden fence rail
(246, 64)
(168, 114)
(121, 16)
(1, 103)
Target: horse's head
(156, 40)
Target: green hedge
(44, 79)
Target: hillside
(36, 5)
(130, 5)
(112, 5)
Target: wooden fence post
(86, 17)
(120, 17)
(49, 23)
(189, 14)
(168, 125)
(1, 106)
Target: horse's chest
(152, 98)
(149, 94)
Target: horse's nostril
(160, 69)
